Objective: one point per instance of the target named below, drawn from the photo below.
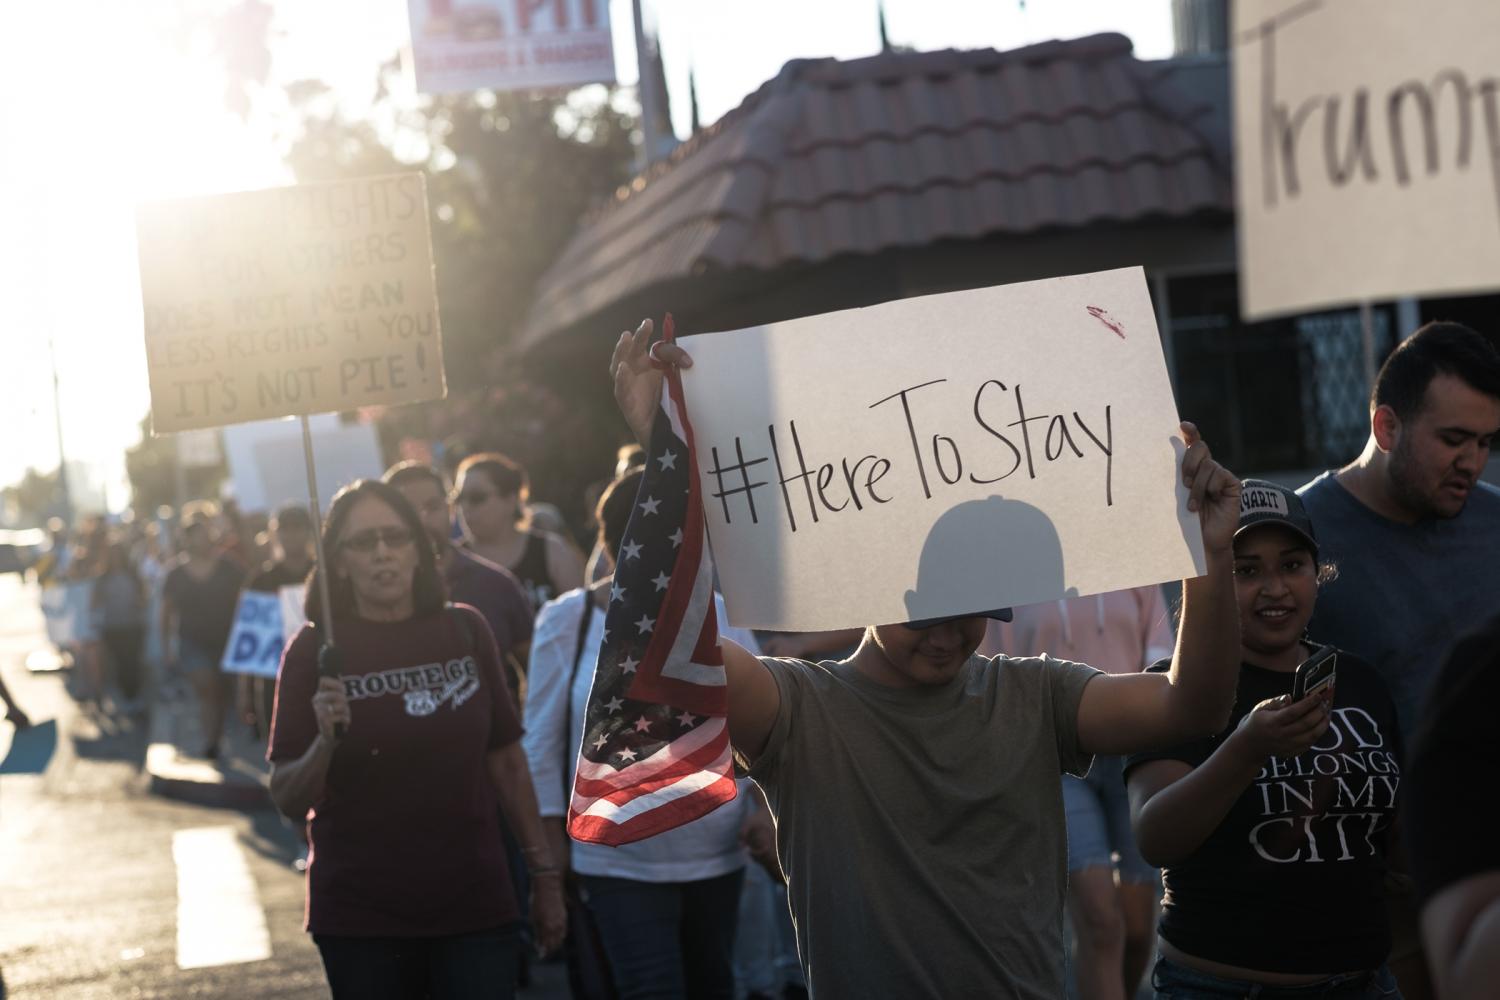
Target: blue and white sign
(255, 641)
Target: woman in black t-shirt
(1272, 835)
(492, 492)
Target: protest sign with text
(1367, 150)
(941, 455)
(255, 641)
(298, 300)
(509, 44)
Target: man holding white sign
(915, 773)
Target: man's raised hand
(1213, 492)
(636, 368)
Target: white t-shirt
(705, 848)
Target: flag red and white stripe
(655, 751)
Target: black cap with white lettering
(1263, 502)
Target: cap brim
(998, 614)
(1280, 523)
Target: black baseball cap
(1263, 502)
(999, 614)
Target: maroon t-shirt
(406, 837)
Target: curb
(202, 782)
(238, 779)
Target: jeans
(765, 947)
(477, 966)
(668, 940)
(1178, 982)
(1098, 813)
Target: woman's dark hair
(505, 475)
(1437, 348)
(428, 592)
(613, 511)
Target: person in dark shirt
(492, 492)
(401, 763)
(291, 538)
(1450, 815)
(492, 590)
(197, 610)
(1273, 834)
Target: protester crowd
(917, 801)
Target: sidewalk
(237, 780)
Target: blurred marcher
(1449, 818)
(13, 713)
(119, 601)
(601, 563)
(236, 536)
(665, 907)
(86, 563)
(53, 563)
(492, 495)
(492, 590)
(409, 894)
(152, 563)
(291, 544)
(1404, 521)
(1111, 888)
(197, 611)
(1273, 835)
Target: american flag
(655, 751)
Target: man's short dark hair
(615, 506)
(1438, 348)
(293, 515)
(402, 473)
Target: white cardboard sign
(308, 299)
(267, 467)
(941, 455)
(509, 44)
(293, 597)
(1367, 150)
(255, 641)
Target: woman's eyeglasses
(365, 541)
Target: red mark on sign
(1108, 320)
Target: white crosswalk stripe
(219, 917)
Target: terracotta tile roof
(832, 158)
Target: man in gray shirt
(917, 787)
(1413, 532)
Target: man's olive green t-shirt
(921, 829)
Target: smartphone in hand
(1315, 673)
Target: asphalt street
(110, 892)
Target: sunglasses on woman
(365, 541)
(473, 498)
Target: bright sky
(103, 104)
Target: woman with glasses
(399, 764)
(492, 492)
